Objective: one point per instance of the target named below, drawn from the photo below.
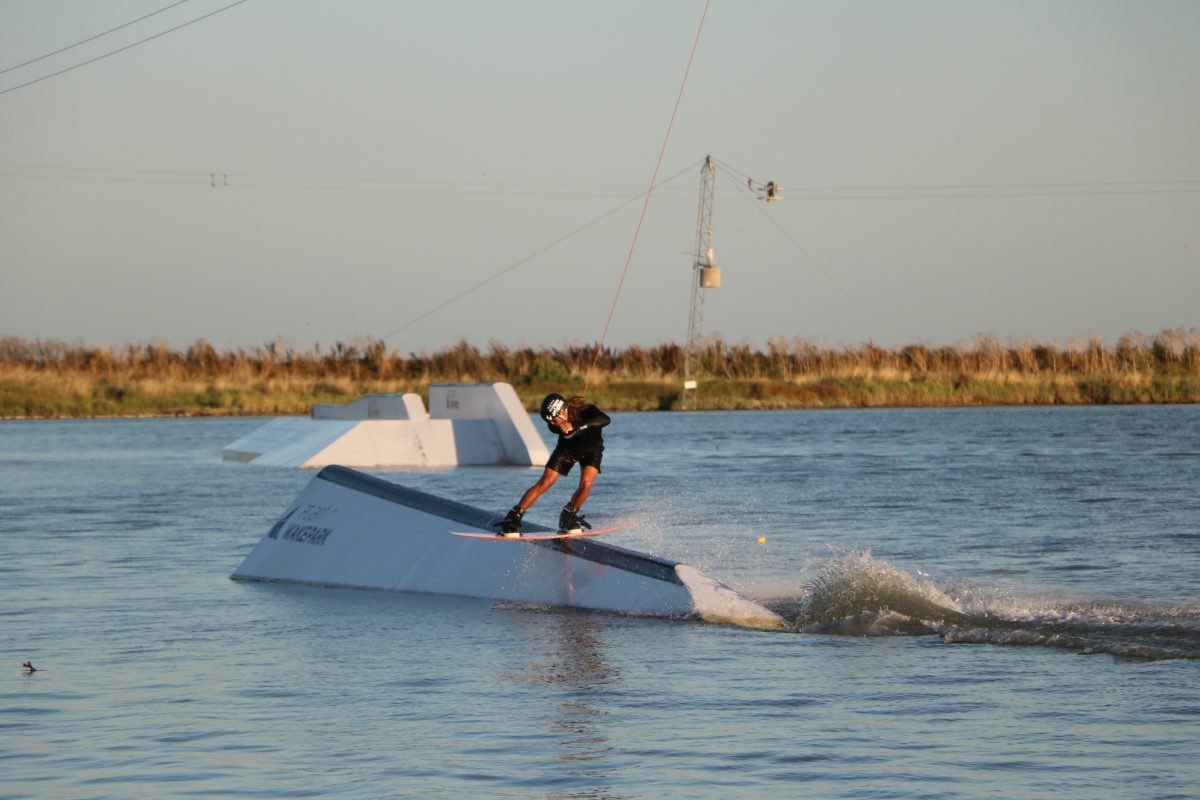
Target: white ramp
(469, 424)
(351, 529)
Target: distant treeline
(1168, 351)
(41, 378)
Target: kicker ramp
(350, 529)
(467, 424)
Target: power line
(742, 190)
(947, 186)
(233, 180)
(500, 273)
(954, 190)
(316, 178)
(120, 49)
(649, 191)
(936, 195)
(92, 38)
(999, 186)
(358, 183)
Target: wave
(855, 594)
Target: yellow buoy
(762, 540)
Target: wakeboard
(536, 537)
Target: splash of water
(856, 594)
(855, 589)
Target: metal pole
(703, 260)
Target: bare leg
(532, 494)
(586, 478)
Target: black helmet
(552, 406)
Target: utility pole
(705, 275)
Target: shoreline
(56, 397)
(622, 411)
(54, 380)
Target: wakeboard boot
(571, 521)
(510, 527)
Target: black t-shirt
(585, 437)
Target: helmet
(552, 406)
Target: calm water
(985, 603)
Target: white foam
(716, 602)
(857, 582)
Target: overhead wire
(361, 183)
(121, 49)
(741, 182)
(1023, 191)
(1028, 189)
(231, 180)
(981, 187)
(526, 259)
(93, 38)
(742, 188)
(649, 193)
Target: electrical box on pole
(707, 275)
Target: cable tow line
(649, 193)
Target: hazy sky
(950, 168)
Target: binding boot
(571, 521)
(511, 526)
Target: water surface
(983, 603)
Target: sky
(312, 172)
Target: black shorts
(561, 460)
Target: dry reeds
(41, 378)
